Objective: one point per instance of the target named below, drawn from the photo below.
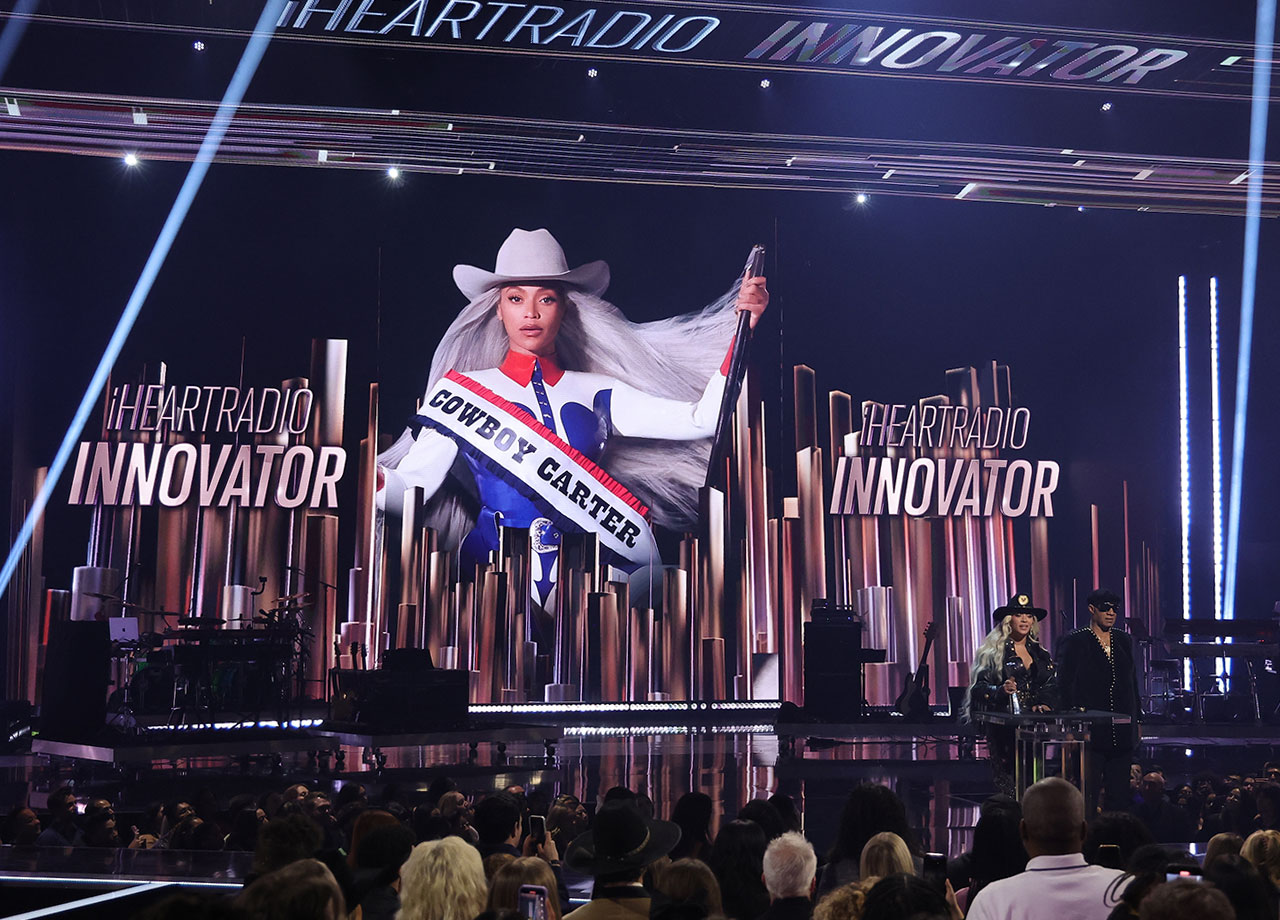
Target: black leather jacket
(1039, 687)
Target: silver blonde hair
(990, 654)
(443, 880)
(672, 358)
(790, 866)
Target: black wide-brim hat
(620, 839)
(1019, 603)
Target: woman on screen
(579, 399)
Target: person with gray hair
(1057, 882)
(790, 875)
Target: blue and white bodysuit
(583, 409)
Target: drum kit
(201, 670)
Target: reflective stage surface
(942, 778)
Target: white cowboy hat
(531, 255)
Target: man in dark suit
(1097, 669)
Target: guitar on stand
(913, 701)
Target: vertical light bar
(253, 52)
(1264, 37)
(1223, 664)
(1184, 463)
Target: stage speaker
(833, 659)
(401, 699)
(77, 668)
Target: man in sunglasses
(1097, 669)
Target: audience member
(1149, 866)
(764, 814)
(692, 814)
(737, 859)
(566, 819)
(21, 827)
(870, 809)
(1166, 821)
(246, 822)
(283, 841)
(790, 877)
(62, 829)
(1250, 896)
(906, 897)
(442, 880)
(845, 903)
(997, 849)
(1057, 881)
(498, 823)
(1184, 898)
(194, 905)
(504, 887)
(785, 806)
(687, 888)
(615, 852)
(368, 821)
(1266, 797)
(379, 855)
(885, 854)
(495, 861)
(1262, 848)
(1120, 829)
(302, 890)
(1221, 845)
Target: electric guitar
(913, 701)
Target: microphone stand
(737, 370)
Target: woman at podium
(1012, 672)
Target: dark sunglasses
(1105, 608)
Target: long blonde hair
(442, 880)
(885, 854)
(990, 656)
(1262, 849)
(672, 358)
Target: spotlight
(197, 45)
(393, 173)
(861, 198)
(592, 72)
(1080, 208)
(765, 84)
(1106, 106)
(130, 160)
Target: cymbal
(103, 597)
(289, 597)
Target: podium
(1046, 739)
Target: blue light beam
(14, 29)
(231, 99)
(1264, 36)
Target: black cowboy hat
(1019, 603)
(620, 839)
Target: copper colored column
(605, 679)
(321, 586)
(676, 651)
(639, 637)
(437, 613)
(491, 634)
(713, 677)
(791, 607)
